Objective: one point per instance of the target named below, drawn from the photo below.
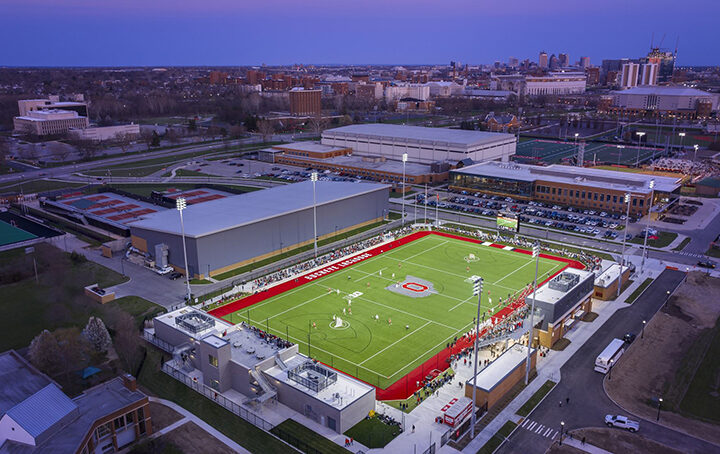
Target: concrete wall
(223, 372)
(493, 396)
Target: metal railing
(156, 341)
(217, 397)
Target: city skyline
(279, 32)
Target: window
(583, 195)
(104, 430)
(141, 427)
(553, 191)
(595, 195)
(634, 202)
(119, 423)
(213, 361)
(614, 199)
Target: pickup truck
(622, 422)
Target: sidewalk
(587, 447)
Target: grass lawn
(296, 251)
(536, 398)
(664, 239)
(634, 295)
(39, 186)
(497, 439)
(423, 319)
(397, 195)
(702, 399)
(373, 433)
(58, 300)
(682, 244)
(199, 281)
(305, 439)
(194, 173)
(153, 380)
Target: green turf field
(554, 152)
(10, 234)
(374, 350)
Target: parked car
(622, 422)
(175, 275)
(706, 264)
(629, 337)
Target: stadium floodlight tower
(647, 224)
(696, 146)
(477, 290)
(536, 256)
(622, 259)
(639, 134)
(682, 140)
(181, 204)
(314, 178)
(404, 160)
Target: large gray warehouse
(228, 233)
(423, 145)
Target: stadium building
(234, 231)
(660, 101)
(581, 187)
(422, 145)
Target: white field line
(370, 274)
(512, 272)
(408, 334)
(298, 305)
(465, 301)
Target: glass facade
(484, 183)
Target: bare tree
(123, 141)
(266, 128)
(318, 123)
(127, 341)
(237, 131)
(147, 136)
(172, 135)
(88, 148)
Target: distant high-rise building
(584, 62)
(629, 75)
(665, 61)
(554, 62)
(305, 102)
(543, 60)
(564, 60)
(649, 74)
(513, 62)
(593, 75)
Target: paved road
(588, 402)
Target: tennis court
(10, 234)
(554, 152)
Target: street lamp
(620, 152)
(640, 134)
(180, 205)
(642, 333)
(314, 178)
(647, 224)
(660, 401)
(536, 255)
(562, 431)
(696, 146)
(477, 290)
(622, 260)
(682, 139)
(612, 361)
(404, 160)
(576, 144)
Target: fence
(430, 450)
(150, 337)
(216, 397)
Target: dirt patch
(619, 441)
(162, 416)
(561, 344)
(192, 438)
(590, 317)
(663, 363)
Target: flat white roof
(419, 134)
(170, 319)
(556, 173)
(664, 90)
(340, 394)
(552, 296)
(231, 212)
(496, 371)
(609, 275)
(316, 147)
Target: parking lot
(588, 222)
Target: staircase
(515, 335)
(280, 363)
(269, 391)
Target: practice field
(10, 234)
(552, 152)
(399, 304)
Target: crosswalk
(690, 254)
(539, 429)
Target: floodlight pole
(180, 205)
(637, 160)
(647, 224)
(536, 254)
(622, 260)
(682, 140)
(402, 219)
(475, 357)
(314, 178)
(696, 146)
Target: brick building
(305, 102)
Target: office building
(305, 102)
(629, 75)
(75, 103)
(49, 122)
(662, 100)
(584, 62)
(649, 75)
(564, 60)
(106, 133)
(543, 60)
(665, 61)
(594, 189)
(555, 83)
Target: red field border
(406, 385)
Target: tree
(147, 136)
(127, 341)
(123, 140)
(266, 128)
(237, 131)
(44, 352)
(4, 149)
(318, 124)
(97, 335)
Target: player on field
(389, 321)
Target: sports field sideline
(554, 152)
(399, 304)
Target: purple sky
(244, 32)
